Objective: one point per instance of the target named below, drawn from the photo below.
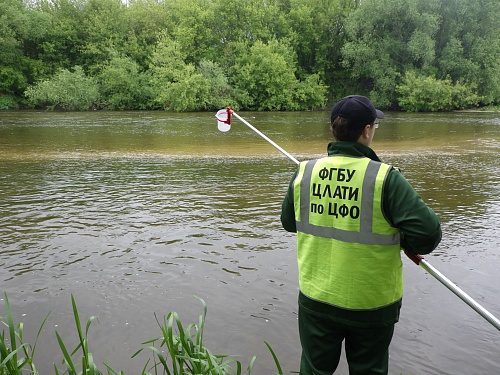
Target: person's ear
(366, 131)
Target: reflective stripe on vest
(365, 234)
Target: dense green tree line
(187, 55)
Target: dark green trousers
(321, 337)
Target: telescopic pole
(420, 261)
(416, 258)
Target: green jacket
(419, 227)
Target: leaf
(66, 355)
(10, 322)
(280, 371)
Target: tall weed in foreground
(88, 366)
(186, 353)
(15, 354)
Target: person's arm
(287, 209)
(420, 227)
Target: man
(352, 215)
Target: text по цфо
(335, 191)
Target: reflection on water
(134, 213)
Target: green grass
(15, 354)
(185, 352)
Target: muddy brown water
(134, 213)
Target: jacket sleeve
(288, 210)
(420, 227)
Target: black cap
(357, 109)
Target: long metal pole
(420, 261)
(416, 258)
(265, 137)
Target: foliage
(267, 73)
(386, 38)
(182, 86)
(318, 34)
(427, 93)
(310, 93)
(247, 21)
(424, 93)
(67, 90)
(21, 28)
(191, 25)
(465, 96)
(176, 85)
(105, 32)
(8, 102)
(15, 354)
(220, 92)
(189, 55)
(11, 79)
(185, 348)
(468, 45)
(123, 85)
(450, 39)
(88, 365)
(188, 354)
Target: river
(135, 213)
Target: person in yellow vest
(352, 215)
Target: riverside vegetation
(185, 350)
(192, 55)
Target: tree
(468, 45)
(254, 54)
(106, 32)
(196, 88)
(176, 85)
(266, 73)
(21, 29)
(191, 25)
(318, 34)
(220, 92)
(61, 47)
(444, 39)
(123, 85)
(249, 21)
(384, 39)
(311, 93)
(145, 18)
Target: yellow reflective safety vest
(348, 253)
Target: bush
(429, 94)
(8, 102)
(11, 80)
(184, 94)
(310, 93)
(67, 90)
(123, 85)
(220, 93)
(465, 96)
(421, 93)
